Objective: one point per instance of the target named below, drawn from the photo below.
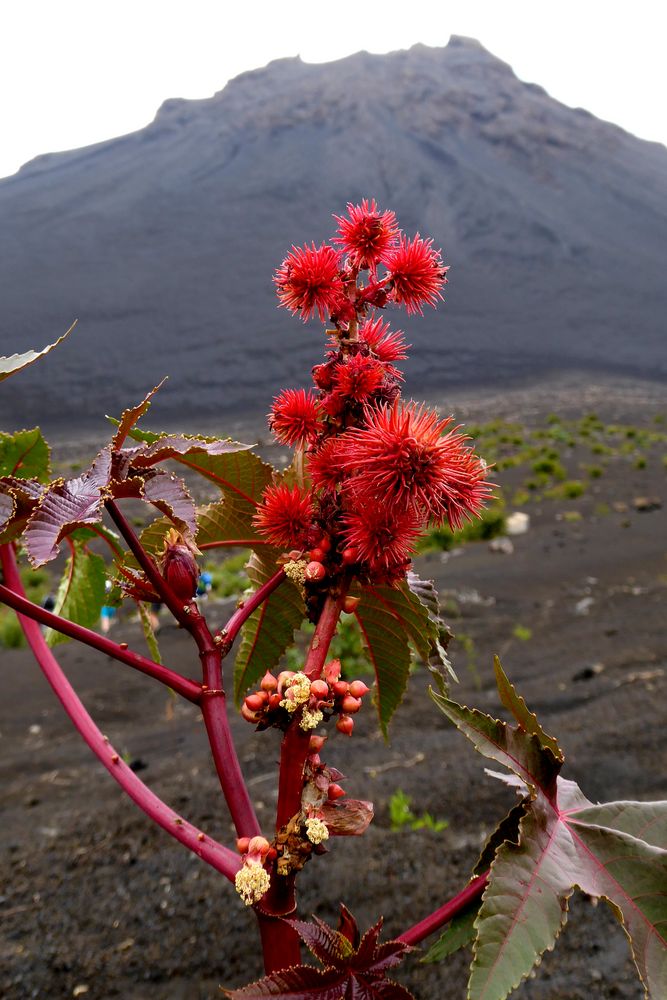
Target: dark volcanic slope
(163, 242)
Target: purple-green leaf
(25, 455)
(66, 506)
(301, 982)
(515, 704)
(129, 417)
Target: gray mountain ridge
(163, 242)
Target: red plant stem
(182, 685)
(147, 564)
(219, 857)
(446, 912)
(241, 615)
(280, 943)
(213, 702)
(233, 543)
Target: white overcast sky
(74, 72)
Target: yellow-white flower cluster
(310, 719)
(297, 691)
(295, 570)
(316, 830)
(251, 882)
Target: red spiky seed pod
(358, 689)
(417, 274)
(366, 233)
(350, 705)
(315, 572)
(319, 689)
(294, 417)
(284, 516)
(309, 281)
(254, 702)
(340, 689)
(334, 791)
(268, 682)
(345, 725)
(179, 566)
(350, 604)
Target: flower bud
(259, 846)
(349, 556)
(268, 682)
(317, 555)
(254, 702)
(350, 704)
(358, 689)
(315, 571)
(274, 701)
(323, 376)
(242, 845)
(179, 566)
(345, 725)
(320, 689)
(316, 743)
(334, 791)
(324, 544)
(340, 689)
(283, 677)
(350, 604)
(248, 714)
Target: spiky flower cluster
(376, 471)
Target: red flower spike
(383, 537)
(285, 516)
(366, 233)
(385, 344)
(323, 466)
(294, 418)
(416, 273)
(358, 377)
(309, 281)
(402, 458)
(323, 376)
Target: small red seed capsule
(345, 725)
(350, 704)
(242, 845)
(320, 689)
(358, 689)
(254, 702)
(315, 571)
(349, 556)
(268, 682)
(335, 791)
(248, 714)
(350, 604)
(340, 689)
(317, 555)
(324, 543)
(316, 743)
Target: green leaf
(392, 620)
(81, 591)
(564, 842)
(226, 521)
(457, 934)
(515, 704)
(25, 455)
(17, 362)
(270, 629)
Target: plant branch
(241, 615)
(232, 543)
(219, 857)
(147, 564)
(446, 912)
(182, 685)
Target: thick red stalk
(213, 702)
(182, 685)
(280, 943)
(446, 912)
(219, 857)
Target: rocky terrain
(163, 242)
